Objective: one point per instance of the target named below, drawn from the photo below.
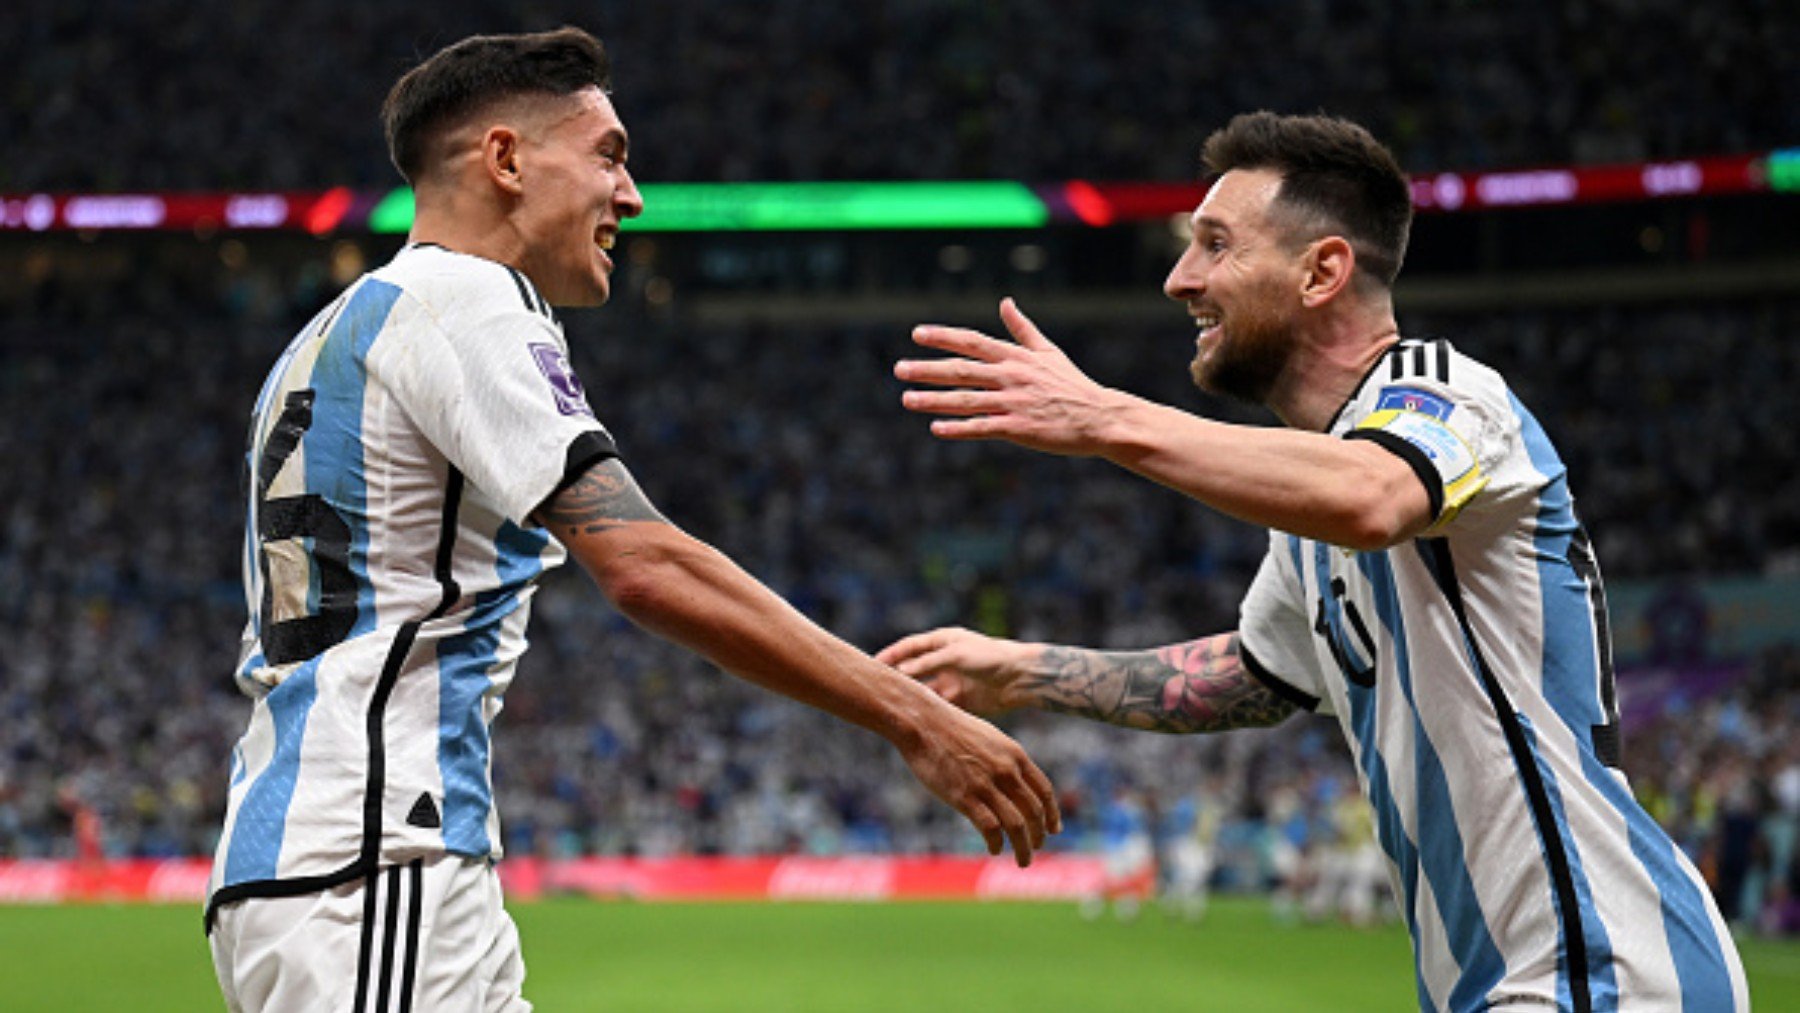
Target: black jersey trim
(1414, 458)
(294, 887)
(374, 792)
(524, 289)
(528, 292)
(414, 915)
(585, 451)
(446, 551)
(1281, 688)
(1419, 358)
(390, 927)
(367, 947)
(1436, 554)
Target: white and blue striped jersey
(396, 453)
(1471, 672)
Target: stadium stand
(927, 89)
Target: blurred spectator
(131, 94)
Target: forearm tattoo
(604, 497)
(1199, 686)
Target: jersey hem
(294, 887)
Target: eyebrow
(1201, 221)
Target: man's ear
(500, 158)
(1330, 264)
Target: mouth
(605, 237)
(1208, 322)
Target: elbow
(645, 581)
(635, 590)
(1377, 516)
(1371, 532)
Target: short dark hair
(472, 74)
(1335, 177)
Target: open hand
(1026, 392)
(987, 777)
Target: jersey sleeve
(499, 400)
(1455, 439)
(1274, 637)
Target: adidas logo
(425, 813)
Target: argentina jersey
(397, 451)
(1471, 672)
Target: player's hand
(1026, 392)
(987, 777)
(980, 674)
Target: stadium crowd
(120, 520)
(263, 94)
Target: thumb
(1021, 328)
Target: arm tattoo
(1199, 686)
(603, 498)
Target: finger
(1021, 328)
(952, 402)
(910, 646)
(948, 373)
(1039, 782)
(962, 341)
(1025, 798)
(945, 686)
(933, 661)
(981, 427)
(987, 825)
(1017, 829)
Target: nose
(1186, 279)
(626, 197)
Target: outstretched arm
(1351, 493)
(689, 593)
(1197, 686)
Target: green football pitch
(586, 955)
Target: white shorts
(429, 936)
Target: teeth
(606, 240)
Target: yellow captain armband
(1443, 461)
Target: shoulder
(1429, 376)
(457, 290)
(1427, 383)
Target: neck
(1327, 367)
(456, 222)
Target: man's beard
(1248, 358)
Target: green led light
(394, 213)
(755, 207)
(769, 207)
(1784, 170)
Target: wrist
(1031, 669)
(906, 713)
(1127, 428)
